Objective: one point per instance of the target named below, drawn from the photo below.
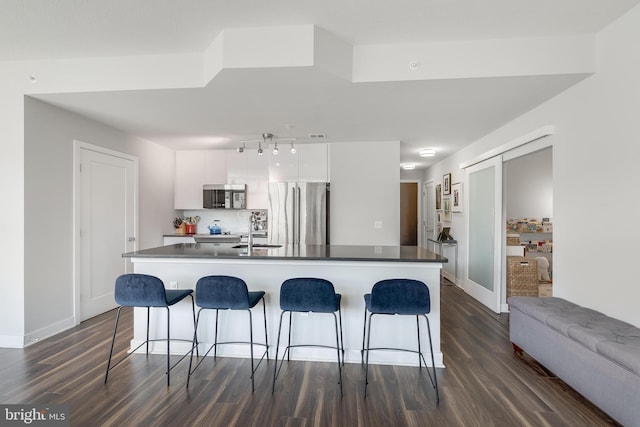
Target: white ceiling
(244, 103)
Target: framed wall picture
(446, 203)
(456, 197)
(446, 184)
(438, 196)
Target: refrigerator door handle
(298, 214)
(294, 215)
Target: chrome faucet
(252, 222)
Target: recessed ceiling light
(408, 166)
(428, 152)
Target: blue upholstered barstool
(142, 290)
(405, 297)
(228, 293)
(309, 295)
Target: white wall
(595, 175)
(365, 188)
(49, 135)
(528, 185)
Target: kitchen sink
(256, 245)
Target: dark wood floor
(484, 384)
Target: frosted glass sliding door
(484, 199)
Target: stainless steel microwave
(224, 196)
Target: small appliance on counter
(215, 228)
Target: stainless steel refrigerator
(298, 213)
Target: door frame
(522, 150)
(538, 139)
(429, 208)
(77, 205)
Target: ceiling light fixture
(267, 140)
(428, 152)
(408, 166)
(266, 136)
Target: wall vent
(317, 136)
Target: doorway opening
(409, 213)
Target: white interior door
(484, 232)
(105, 225)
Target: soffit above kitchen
(364, 73)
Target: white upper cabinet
(257, 181)
(310, 163)
(196, 168)
(215, 167)
(189, 179)
(236, 167)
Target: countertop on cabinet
(292, 252)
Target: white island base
(352, 279)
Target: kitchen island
(353, 270)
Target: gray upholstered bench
(595, 354)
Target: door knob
(132, 239)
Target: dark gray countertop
(292, 252)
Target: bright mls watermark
(34, 415)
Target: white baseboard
(48, 331)
(11, 341)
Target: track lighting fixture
(267, 138)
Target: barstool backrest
(140, 290)
(400, 296)
(222, 292)
(308, 294)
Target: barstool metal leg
(215, 338)
(341, 335)
(419, 347)
(193, 309)
(148, 320)
(335, 320)
(193, 344)
(366, 365)
(275, 368)
(251, 349)
(266, 339)
(113, 340)
(168, 348)
(433, 363)
(364, 333)
(288, 349)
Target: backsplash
(233, 221)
